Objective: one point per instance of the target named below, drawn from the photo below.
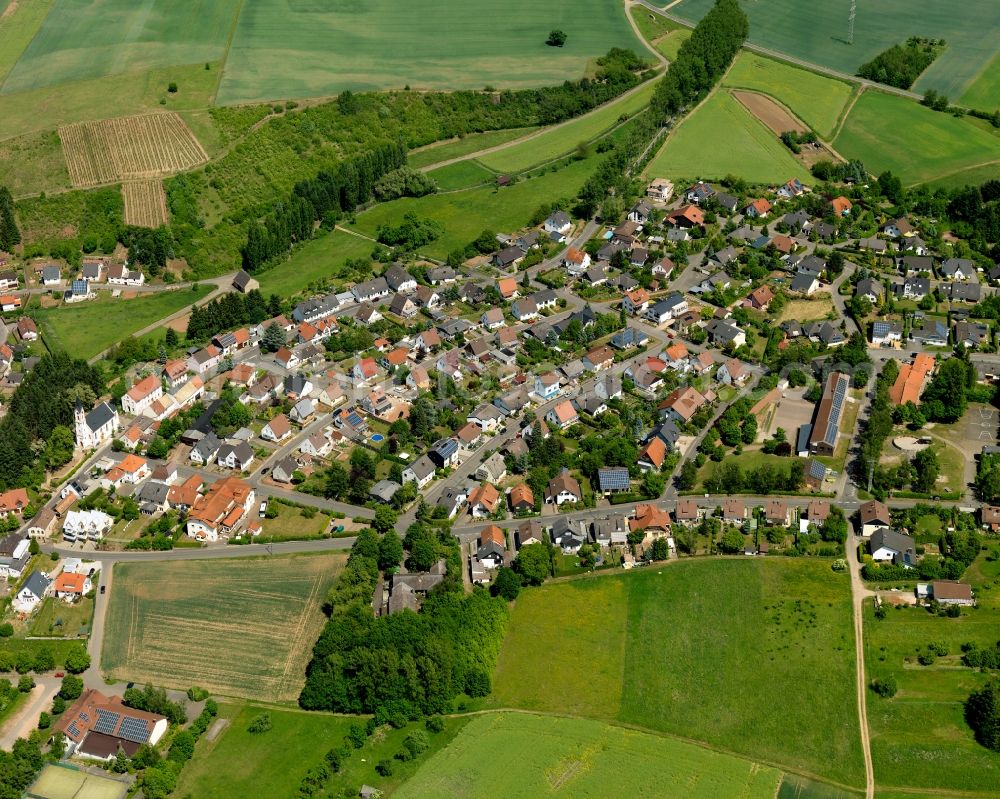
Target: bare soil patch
(11, 8)
(774, 116)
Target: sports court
(63, 782)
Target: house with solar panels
(612, 478)
(98, 726)
(826, 424)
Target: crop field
(971, 29)
(916, 143)
(284, 48)
(580, 758)
(129, 148)
(720, 138)
(919, 737)
(83, 39)
(19, 22)
(984, 91)
(145, 203)
(697, 634)
(238, 628)
(93, 326)
(563, 139)
(816, 99)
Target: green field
(580, 758)
(284, 48)
(456, 148)
(916, 143)
(236, 627)
(819, 34)
(708, 646)
(239, 764)
(721, 138)
(317, 260)
(59, 618)
(984, 91)
(566, 138)
(670, 44)
(465, 214)
(17, 27)
(33, 163)
(461, 175)
(815, 99)
(83, 39)
(88, 328)
(919, 737)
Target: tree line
(43, 403)
(9, 234)
(230, 311)
(901, 64)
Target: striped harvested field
(129, 148)
(145, 203)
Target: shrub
(6, 630)
(417, 742)
(356, 736)
(260, 724)
(71, 687)
(885, 687)
(384, 768)
(25, 683)
(44, 721)
(172, 87)
(434, 724)
(196, 694)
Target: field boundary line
(626, 725)
(994, 162)
(786, 109)
(842, 119)
(225, 56)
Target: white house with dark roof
(94, 428)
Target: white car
(263, 508)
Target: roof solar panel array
(106, 722)
(836, 408)
(134, 729)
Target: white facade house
(142, 395)
(32, 592)
(84, 525)
(94, 428)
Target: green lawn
(722, 138)
(566, 138)
(88, 328)
(651, 26)
(465, 214)
(17, 28)
(290, 49)
(292, 523)
(461, 175)
(709, 644)
(748, 460)
(523, 755)
(919, 737)
(670, 44)
(83, 39)
(819, 34)
(56, 617)
(59, 648)
(239, 764)
(456, 148)
(916, 143)
(583, 671)
(315, 261)
(815, 99)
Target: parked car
(263, 508)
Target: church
(96, 427)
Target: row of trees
(729, 478)
(43, 403)
(10, 236)
(324, 198)
(231, 311)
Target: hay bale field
(145, 203)
(236, 627)
(129, 148)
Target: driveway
(21, 724)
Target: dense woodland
(229, 312)
(407, 664)
(38, 429)
(901, 64)
(9, 234)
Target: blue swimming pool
(378, 437)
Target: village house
(888, 545)
(98, 727)
(119, 275)
(220, 511)
(563, 488)
(873, 515)
(32, 592)
(483, 501)
(71, 586)
(143, 394)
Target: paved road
(208, 552)
(92, 676)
